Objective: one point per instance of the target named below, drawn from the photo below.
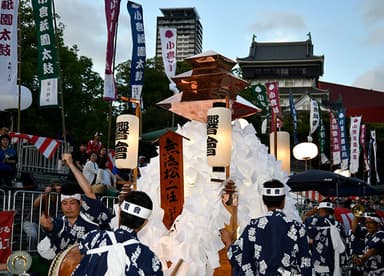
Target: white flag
(168, 38)
(354, 133)
(314, 117)
(8, 46)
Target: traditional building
(189, 31)
(292, 64)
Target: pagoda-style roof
(281, 51)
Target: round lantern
(219, 132)
(9, 99)
(305, 151)
(127, 141)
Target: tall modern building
(189, 31)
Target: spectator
(95, 144)
(8, 160)
(91, 168)
(4, 131)
(104, 174)
(80, 156)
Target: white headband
(75, 196)
(328, 205)
(378, 220)
(136, 210)
(273, 191)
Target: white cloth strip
(328, 205)
(75, 196)
(135, 210)
(273, 191)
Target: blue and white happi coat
(116, 253)
(375, 264)
(323, 253)
(271, 245)
(93, 215)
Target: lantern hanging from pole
(219, 132)
(283, 149)
(127, 141)
(305, 151)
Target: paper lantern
(9, 99)
(127, 141)
(283, 149)
(219, 132)
(305, 151)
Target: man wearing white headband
(81, 214)
(326, 237)
(372, 258)
(120, 252)
(271, 245)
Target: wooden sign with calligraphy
(171, 176)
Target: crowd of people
(268, 245)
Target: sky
(348, 33)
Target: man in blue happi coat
(271, 245)
(120, 252)
(81, 214)
(326, 236)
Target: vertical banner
(323, 157)
(258, 91)
(343, 140)
(314, 117)
(138, 50)
(168, 38)
(374, 146)
(8, 46)
(171, 176)
(292, 107)
(335, 139)
(112, 11)
(6, 224)
(274, 100)
(363, 133)
(354, 133)
(46, 51)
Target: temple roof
(281, 51)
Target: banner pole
(60, 86)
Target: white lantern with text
(127, 141)
(219, 132)
(283, 149)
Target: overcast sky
(349, 33)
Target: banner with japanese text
(8, 46)
(138, 50)
(343, 140)
(274, 101)
(314, 117)
(168, 38)
(6, 225)
(374, 147)
(46, 51)
(171, 176)
(292, 108)
(335, 139)
(112, 11)
(354, 134)
(323, 157)
(363, 139)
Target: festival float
(214, 195)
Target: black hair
(273, 201)
(71, 189)
(139, 198)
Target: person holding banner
(120, 252)
(271, 245)
(81, 213)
